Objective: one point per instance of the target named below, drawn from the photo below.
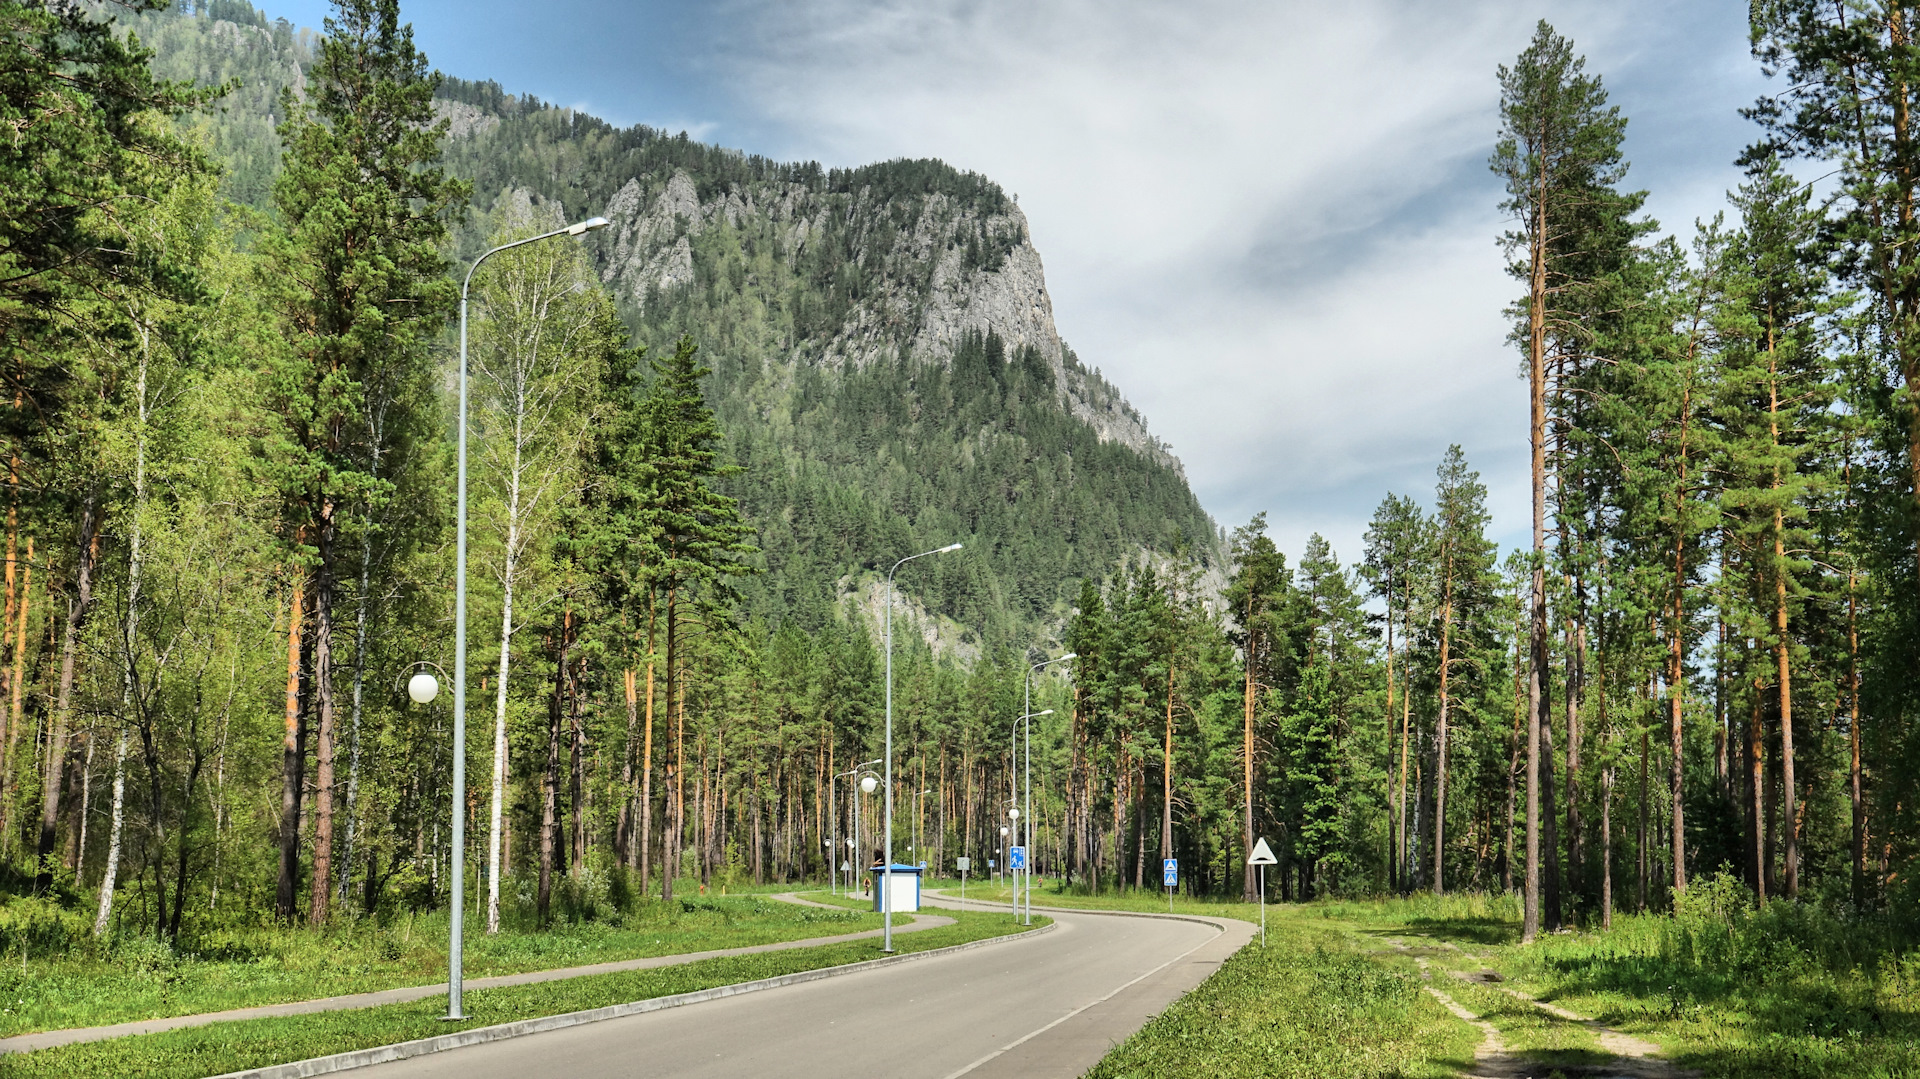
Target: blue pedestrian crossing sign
(1170, 873)
(1016, 857)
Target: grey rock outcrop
(927, 283)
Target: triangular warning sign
(1262, 854)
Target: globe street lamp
(886, 870)
(868, 782)
(454, 934)
(833, 844)
(1029, 769)
(1013, 815)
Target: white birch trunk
(115, 828)
(509, 565)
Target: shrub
(41, 928)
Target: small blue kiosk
(906, 887)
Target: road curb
(382, 1054)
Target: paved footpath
(46, 1039)
(1050, 1004)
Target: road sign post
(963, 863)
(1016, 863)
(1262, 856)
(1170, 878)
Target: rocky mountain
(885, 357)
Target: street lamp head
(1037, 715)
(1068, 656)
(948, 548)
(423, 688)
(1014, 813)
(868, 783)
(1003, 829)
(588, 225)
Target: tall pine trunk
(646, 761)
(1440, 734)
(323, 698)
(1246, 748)
(1537, 470)
(16, 708)
(1859, 844)
(293, 757)
(78, 606)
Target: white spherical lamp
(1003, 829)
(423, 688)
(1014, 813)
(868, 783)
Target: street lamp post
(1003, 852)
(867, 783)
(886, 870)
(834, 819)
(1013, 739)
(455, 937)
(1014, 816)
(1029, 770)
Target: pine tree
(1559, 155)
(1396, 541)
(364, 289)
(1464, 593)
(1253, 599)
(701, 540)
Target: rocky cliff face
(947, 271)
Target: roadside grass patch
(1789, 991)
(1309, 1004)
(137, 977)
(225, 1047)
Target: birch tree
(544, 335)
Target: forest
(231, 256)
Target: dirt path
(1633, 1058)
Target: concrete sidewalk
(47, 1039)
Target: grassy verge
(1787, 993)
(1311, 1003)
(140, 979)
(223, 1047)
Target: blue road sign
(1016, 857)
(1170, 873)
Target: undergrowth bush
(38, 927)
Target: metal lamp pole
(833, 869)
(1029, 739)
(1026, 871)
(1014, 814)
(886, 871)
(455, 937)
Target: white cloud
(1270, 224)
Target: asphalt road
(1049, 1005)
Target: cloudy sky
(1270, 223)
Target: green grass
(141, 979)
(222, 1047)
(1792, 992)
(1311, 1003)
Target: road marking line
(1034, 1034)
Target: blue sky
(1270, 223)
